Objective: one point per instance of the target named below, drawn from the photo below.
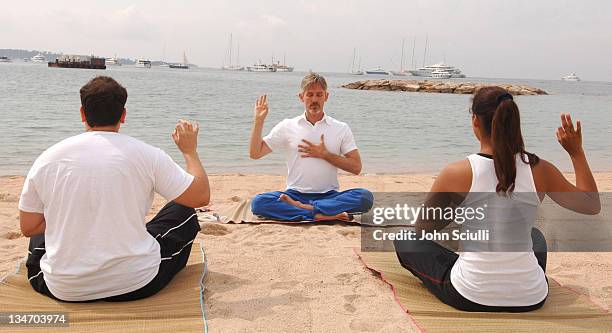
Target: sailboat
(163, 63)
(402, 71)
(184, 65)
(353, 70)
(232, 67)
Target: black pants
(432, 264)
(174, 227)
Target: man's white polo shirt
(310, 174)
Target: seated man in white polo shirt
(84, 204)
(316, 146)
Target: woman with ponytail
(511, 279)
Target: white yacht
(441, 74)
(140, 63)
(428, 71)
(5, 59)
(283, 67)
(113, 62)
(377, 71)
(572, 78)
(259, 67)
(39, 58)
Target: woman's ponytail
(496, 105)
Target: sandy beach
(283, 278)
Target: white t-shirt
(309, 174)
(95, 190)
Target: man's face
(314, 98)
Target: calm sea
(395, 131)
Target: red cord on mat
(394, 291)
(395, 296)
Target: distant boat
(377, 71)
(572, 78)
(164, 65)
(113, 62)
(401, 72)
(39, 58)
(283, 67)
(353, 70)
(141, 63)
(183, 65)
(232, 67)
(77, 61)
(441, 74)
(259, 67)
(428, 71)
(5, 59)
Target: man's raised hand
(261, 108)
(185, 136)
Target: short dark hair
(103, 100)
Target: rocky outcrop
(439, 87)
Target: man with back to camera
(84, 204)
(312, 180)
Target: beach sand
(283, 278)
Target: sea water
(396, 132)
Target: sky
(539, 39)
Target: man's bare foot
(289, 200)
(341, 217)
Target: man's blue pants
(330, 203)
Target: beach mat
(564, 310)
(241, 213)
(178, 307)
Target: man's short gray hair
(313, 78)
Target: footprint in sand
(12, 235)
(346, 278)
(214, 229)
(350, 299)
(236, 199)
(7, 197)
(348, 233)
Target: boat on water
(259, 67)
(428, 71)
(113, 62)
(141, 63)
(441, 74)
(183, 65)
(399, 73)
(178, 66)
(356, 71)
(571, 78)
(39, 58)
(77, 61)
(377, 71)
(402, 71)
(164, 65)
(5, 59)
(231, 66)
(283, 67)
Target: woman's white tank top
(501, 278)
